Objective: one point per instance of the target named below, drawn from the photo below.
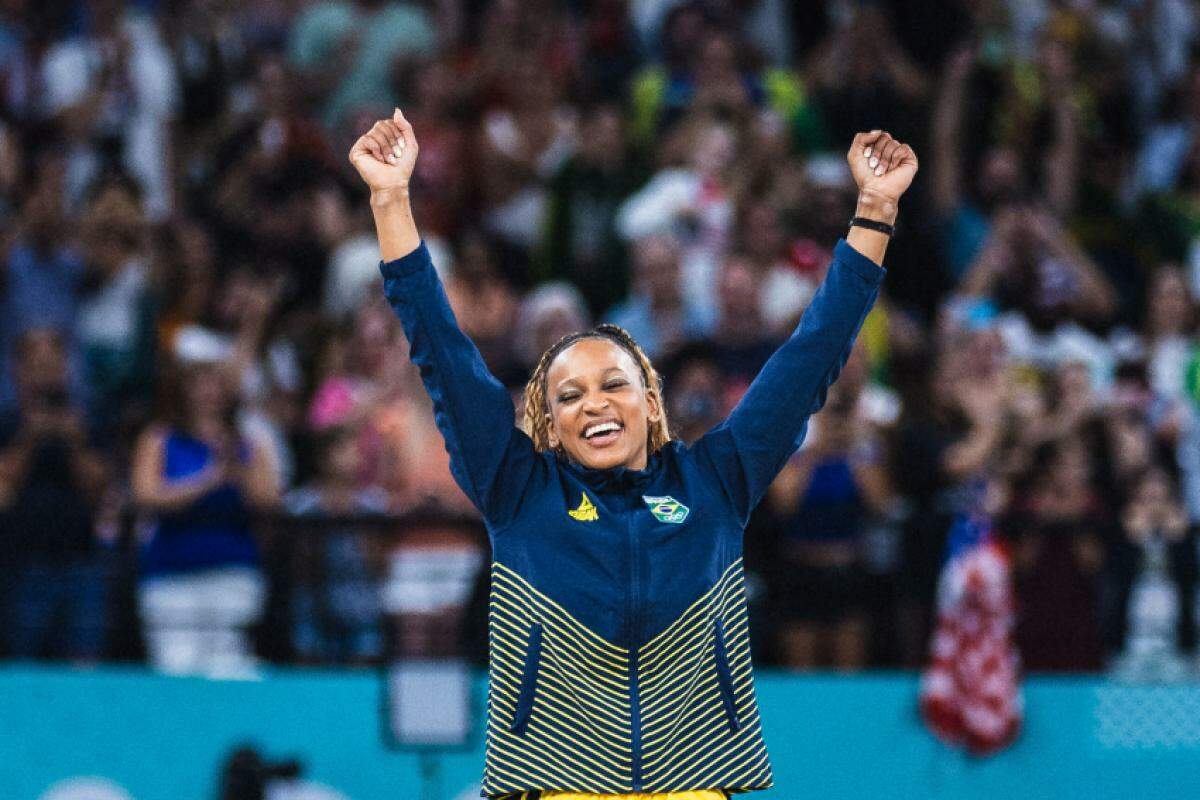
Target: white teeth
(603, 427)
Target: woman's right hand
(385, 155)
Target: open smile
(603, 433)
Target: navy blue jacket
(619, 650)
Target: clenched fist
(385, 155)
(881, 165)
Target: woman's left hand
(881, 165)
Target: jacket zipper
(634, 639)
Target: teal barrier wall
(830, 737)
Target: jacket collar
(617, 478)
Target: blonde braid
(537, 406)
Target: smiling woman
(619, 648)
(595, 398)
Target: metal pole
(428, 764)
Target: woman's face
(600, 410)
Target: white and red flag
(971, 692)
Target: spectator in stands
(1154, 552)
(824, 496)
(43, 277)
(967, 208)
(114, 322)
(741, 341)
(347, 50)
(52, 476)
(485, 302)
(1060, 534)
(581, 241)
(547, 314)
(656, 313)
(335, 602)
(113, 92)
(1031, 266)
(691, 199)
(269, 166)
(861, 74)
(187, 280)
(695, 403)
(199, 482)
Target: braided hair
(537, 404)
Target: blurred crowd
(204, 399)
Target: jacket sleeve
(491, 459)
(747, 450)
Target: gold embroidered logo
(586, 512)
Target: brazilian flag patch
(667, 509)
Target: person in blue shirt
(619, 655)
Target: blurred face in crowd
(713, 150)
(1074, 383)
(538, 91)
(552, 324)
(475, 261)
(109, 248)
(436, 88)
(1154, 490)
(984, 352)
(41, 362)
(682, 31)
(342, 458)
(600, 409)
(739, 295)
(1169, 309)
(1000, 176)
(716, 59)
(43, 211)
(1069, 468)
(695, 398)
(206, 390)
(1130, 441)
(111, 230)
(274, 87)
(374, 338)
(762, 233)
(656, 266)
(603, 139)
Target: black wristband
(874, 225)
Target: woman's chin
(604, 461)
(600, 459)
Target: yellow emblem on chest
(586, 512)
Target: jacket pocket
(724, 676)
(533, 654)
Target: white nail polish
(878, 171)
(391, 159)
(866, 152)
(874, 162)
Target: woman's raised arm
(491, 459)
(748, 450)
